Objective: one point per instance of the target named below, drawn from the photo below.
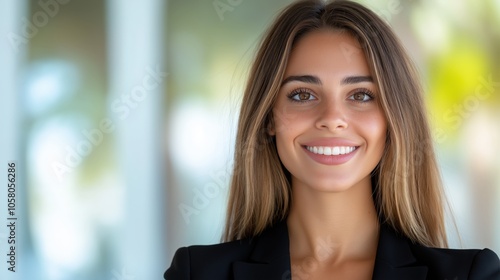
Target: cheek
(288, 126)
(285, 138)
(282, 118)
(287, 119)
(285, 148)
(376, 126)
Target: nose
(331, 116)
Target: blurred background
(120, 117)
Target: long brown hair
(408, 190)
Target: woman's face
(330, 129)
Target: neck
(338, 226)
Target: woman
(335, 175)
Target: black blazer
(267, 257)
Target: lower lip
(331, 160)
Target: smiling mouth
(331, 151)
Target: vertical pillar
(14, 40)
(137, 78)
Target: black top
(267, 256)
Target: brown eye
(301, 96)
(361, 97)
(304, 96)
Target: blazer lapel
(395, 259)
(270, 258)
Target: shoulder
(208, 261)
(473, 263)
(264, 254)
(400, 258)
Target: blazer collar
(395, 259)
(270, 258)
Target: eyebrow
(356, 79)
(315, 80)
(305, 78)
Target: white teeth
(329, 151)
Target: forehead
(330, 51)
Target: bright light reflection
(49, 82)
(436, 38)
(63, 232)
(198, 140)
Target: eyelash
(363, 91)
(295, 92)
(298, 91)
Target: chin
(334, 185)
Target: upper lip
(330, 142)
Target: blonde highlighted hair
(408, 190)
